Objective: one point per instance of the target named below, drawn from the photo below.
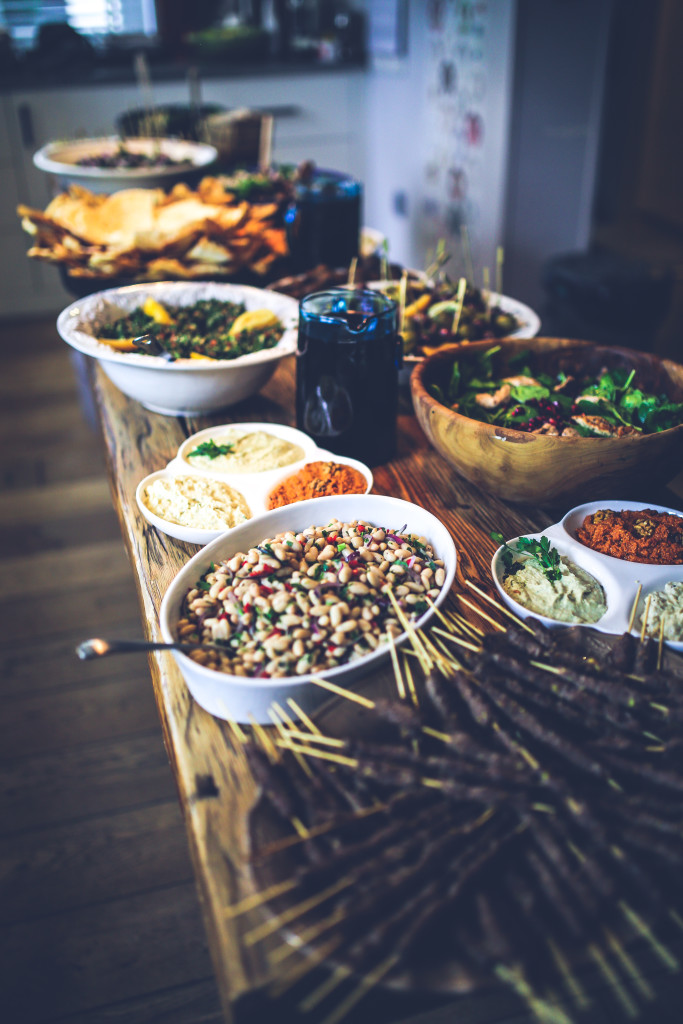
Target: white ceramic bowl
(255, 487)
(228, 696)
(619, 578)
(61, 159)
(183, 387)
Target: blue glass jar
(348, 358)
(326, 224)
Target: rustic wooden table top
(199, 746)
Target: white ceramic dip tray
(255, 487)
(619, 578)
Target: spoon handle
(98, 648)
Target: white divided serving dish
(619, 578)
(241, 699)
(255, 487)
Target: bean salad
(308, 601)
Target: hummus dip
(667, 605)
(575, 597)
(198, 502)
(250, 452)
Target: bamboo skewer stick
(351, 280)
(467, 253)
(499, 606)
(303, 716)
(634, 606)
(459, 303)
(368, 982)
(645, 617)
(470, 604)
(612, 978)
(341, 692)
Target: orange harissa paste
(636, 535)
(317, 480)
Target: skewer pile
(516, 811)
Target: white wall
(418, 145)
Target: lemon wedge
(253, 320)
(157, 312)
(120, 344)
(198, 355)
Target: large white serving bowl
(61, 159)
(184, 387)
(242, 700)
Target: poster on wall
(465, 132)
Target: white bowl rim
(205, 557)
(90, 346)
(199, 154)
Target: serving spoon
(148, 343)
(99, 648)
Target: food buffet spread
(424, 713)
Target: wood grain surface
(199, 746)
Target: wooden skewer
(645, 617)
(287, 949)
(341, 692)
(467, 252)
(411, 682)
(499, 606)
(402, 300)
(265, 740)
(324, 755)
(328, 741)
(613, 979)
(306, 768)
(400, 686)
(302, 715)
(323, 990)
(470, 604)
(459, 303)
(267, 928)
(573, 984)
(311, 961)
(629, 966)
(660, 648)
(457, 640)
(634, 919)
(500, 259)
(258, 898)
(352, 272)
(632, 616)
(369, 981)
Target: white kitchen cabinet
(318, 116)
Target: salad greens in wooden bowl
(544, 419)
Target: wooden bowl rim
(419, 391)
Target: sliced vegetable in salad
(209, 329)
(609, 404)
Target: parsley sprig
(212, 450)
(541, 551)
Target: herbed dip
(239, 451)
(575, 597)
(666, 604)
(198, 502)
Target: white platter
(187, 386)
(61, 159)
(255, 487)
(618, 577)
(228, 696)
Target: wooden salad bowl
(540, 469)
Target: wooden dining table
(214, 794)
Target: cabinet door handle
(28, 137)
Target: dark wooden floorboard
(99, 917)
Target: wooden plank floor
(99, 917)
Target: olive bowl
(540, 469)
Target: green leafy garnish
(540, 551)
(211, 450)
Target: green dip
(575, 597)
(666, 604)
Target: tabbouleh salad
(204, 328)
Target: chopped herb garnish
(204, 585)
(540, 551)
(211, 450)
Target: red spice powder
(317, 480)
(636, 535)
